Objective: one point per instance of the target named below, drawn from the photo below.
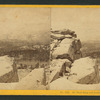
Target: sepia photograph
(24, 48)
(49, 48)
(75, 49)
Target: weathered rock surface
(83, 70)
(33, 81)
(64, 84)
(57, 67)
(65, 47)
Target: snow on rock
(57, 36)
(64, 84)
(82, 68)
(56, 67)
(64, 48)
(56, 64)
(32, 81)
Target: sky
(84, 21)
(30, 24)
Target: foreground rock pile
(65, 48)
(68, 70)
(9, 80)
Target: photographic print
(54, 50)
(75, 49)
(24, 48)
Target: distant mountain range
(11, 45)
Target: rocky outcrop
(58, 68)
(65, 48)
(33, 81)
(83, 71)
(66, 58)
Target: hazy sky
(25, 24)
(84, 21)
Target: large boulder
(33, 81)
(65, 47)
(58, 67)
(83, 71)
